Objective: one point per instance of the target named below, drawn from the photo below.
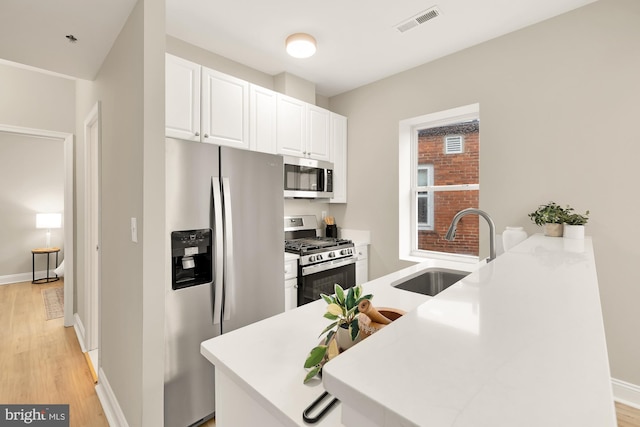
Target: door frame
(92, 144)
(69, 260)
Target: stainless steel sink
(431, 281)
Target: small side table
(47, 252)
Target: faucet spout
(451, 233)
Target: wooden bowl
(368, 327)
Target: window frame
(429, 225)
(408, 177)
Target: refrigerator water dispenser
(191, 258)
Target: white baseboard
(626, 393)
(79, 328)
(110, 405)
(24, 277)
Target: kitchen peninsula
(520, 341)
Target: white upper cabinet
(339, 158)
(291, 133)
(318, 133)
(262, 119)
(225, 109)
(303, 130)
(182, 98)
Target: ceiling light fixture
(301, 45)
(71, 38)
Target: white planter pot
(553, 230)
(574, 231)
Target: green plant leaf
(327, 299)
(330, 316)
(339, 294)
(328, 328)
(312, 373)
(351, 299)
(330, 335)
(315, 356)
(354, 329)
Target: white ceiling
(357, 39)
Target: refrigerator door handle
(219, 251)
(229, 279)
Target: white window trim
(407, 238)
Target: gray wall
(130, 87)
(32, 173)
(558, 103)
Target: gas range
(301, 239)
(324, 261)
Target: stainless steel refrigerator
(224, 225)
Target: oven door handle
(324, 266)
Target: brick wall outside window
(451, 169)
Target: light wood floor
(41, 361)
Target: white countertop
(266, 359)
(520, 342)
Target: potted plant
(342, 333)
(574, 223)
(550, 216)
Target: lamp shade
(300, 45)
(48, 220)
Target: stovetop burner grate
(314, 243)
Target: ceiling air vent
(420, 18)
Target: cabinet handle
(197, 133)
(295, 286)
(206, 135)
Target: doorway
(68, 216)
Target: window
(439, 176)
(425, 199)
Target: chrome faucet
(451, 233)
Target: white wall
(32, 173)
(130, 87)
(35, 100)
(558, 103)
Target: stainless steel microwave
(307, 178)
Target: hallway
(40, 360)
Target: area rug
(53, 302)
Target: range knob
(312, 258)
(319, 257)
(345, 252)
(332, 254)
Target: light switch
(134, 230)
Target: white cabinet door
(290, 294)
(362, 264)
(291, 133)
(339, 157)
(262, 119)
(225, 109)
(182, 98)
(318, 133)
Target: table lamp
(48, 221)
